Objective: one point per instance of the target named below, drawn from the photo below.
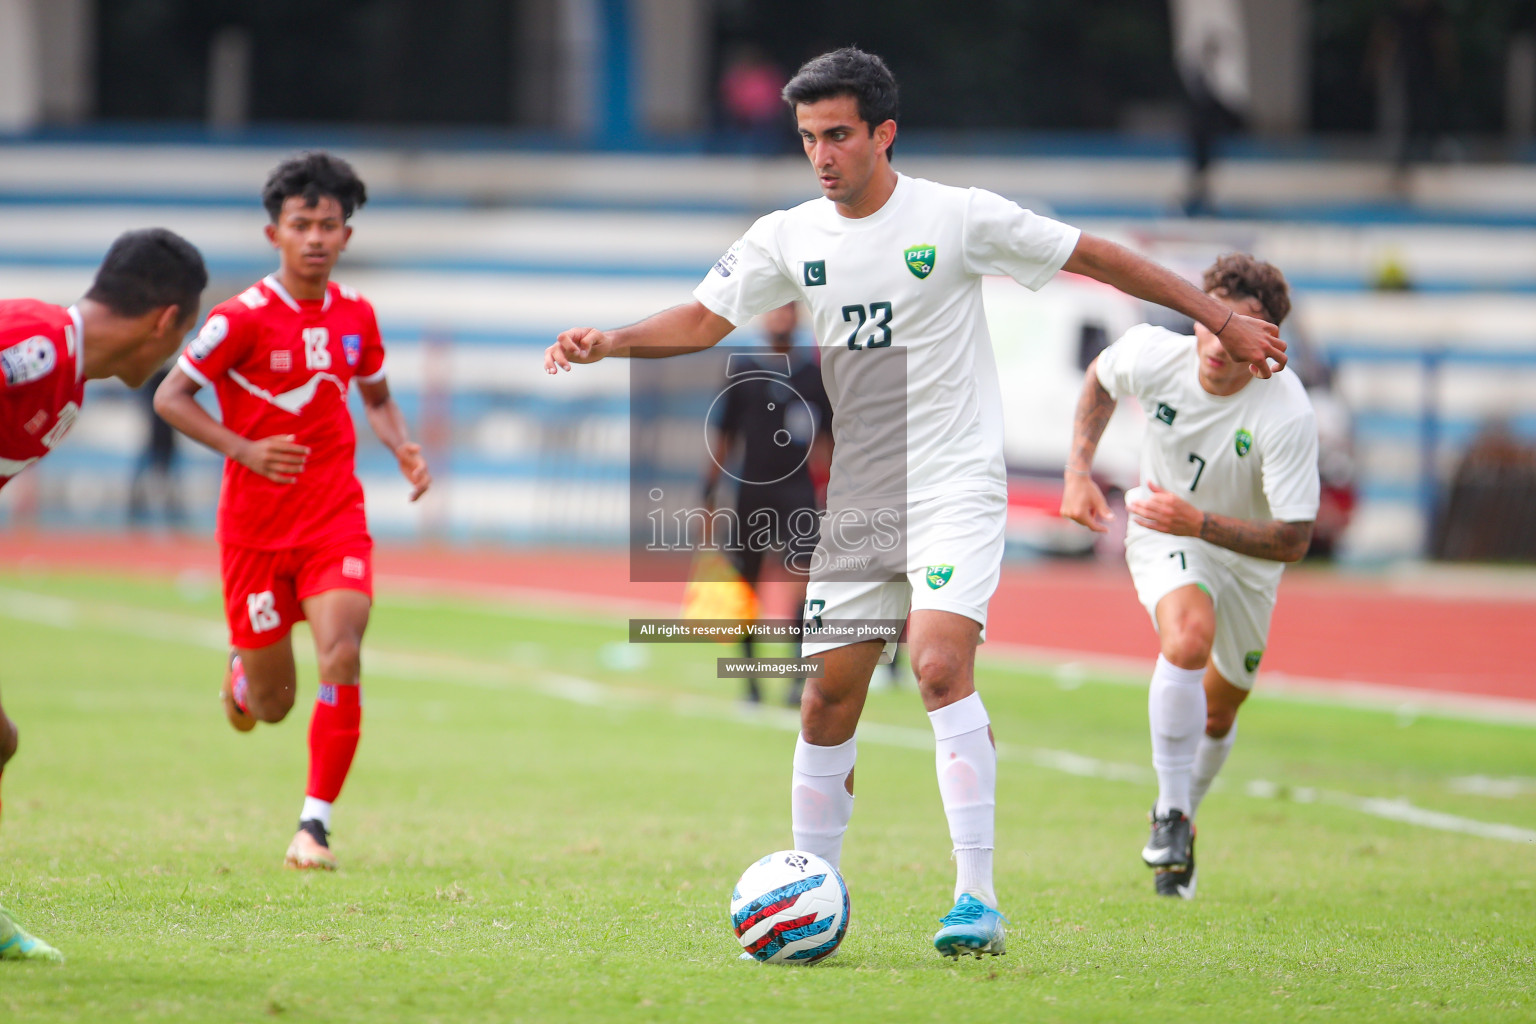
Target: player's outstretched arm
(1081, 499)
(278, 458)
(1247, 339)
(1273, 539)
(388, 424)
(691, 327)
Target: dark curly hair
(848, 72)
(313, 175)
(1238, 275)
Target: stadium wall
(475, 258)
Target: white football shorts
(1160, 563)
(954, 555)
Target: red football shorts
(263, 589)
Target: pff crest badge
(919, 260)
(938, 575)
(352, 347)
(1244, 442)
(1251, 660)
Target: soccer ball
(790, 908)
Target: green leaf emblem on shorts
(938, 575)
(1251, 660)
(1244, 443)
(919, 260)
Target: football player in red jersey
(143, 302)
(293, 539)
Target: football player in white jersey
(890, 268)
(1229, 493)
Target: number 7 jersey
(896, 302)
(282, 366)
(1251, 455)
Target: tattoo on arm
(1271, 539)
(1094, 408)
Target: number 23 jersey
(282, 366)
(906, 279)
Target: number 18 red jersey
(284, 366)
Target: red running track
(1327, 626)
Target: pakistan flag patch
(938, 575)
(1251, 660)
(919, 260)
(1244, 442)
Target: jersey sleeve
(1001, 237)
(1290, 469)
(749, 279)
(1118, 365)
(370, 364)
(223, 341)
(34, 364)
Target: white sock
(1176, 709)
(1209, 758)
(967, 767)
(820, 805)
(317, 810)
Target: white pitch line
(1500, 789)
(69, 614)
(1402, 810)
(38, 609)
(1073, 668)
(1070, 667)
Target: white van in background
(1043, 342)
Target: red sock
(239, 687)
(333, 734)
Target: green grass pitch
(544, 823)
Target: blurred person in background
(1211, 55)
(750, 102)
(143, 302)
(1489, 510)
(1228, 495)
(1413, 63)
(293, 535)
(775, 431)
(154, 482)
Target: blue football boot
(971, 927)
(16, 944)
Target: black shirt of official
(774, 417)
(769, 419)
